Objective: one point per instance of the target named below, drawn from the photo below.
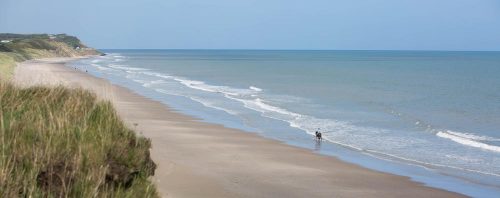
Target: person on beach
(318, 135)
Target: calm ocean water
(433, 116)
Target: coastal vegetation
(60, 142)
(19, 47)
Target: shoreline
(202, 159)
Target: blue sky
(263, 24)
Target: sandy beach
(198, 159)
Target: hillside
(61, 141)
(20, 47)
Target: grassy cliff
(61, 142)
(20, 47)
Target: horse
(318, 136)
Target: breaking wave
(468, 139)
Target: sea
(433, 116)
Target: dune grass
(60, 142)
(7, 65)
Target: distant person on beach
(318, 135)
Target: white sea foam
(304, 122)
(127, 68)
(200, 85)
(473, 137)
(426, 164)
(209, 104)
(139, 81)
(153, 82)
(99, 67)
(255, 88)
(260, 106)
(115, 55)
(468, 140)
(168, 92)
(157, 75)
(201, 101)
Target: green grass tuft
(60, 142)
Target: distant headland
(21, 47)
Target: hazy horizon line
(256, 49)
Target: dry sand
(198, 159)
